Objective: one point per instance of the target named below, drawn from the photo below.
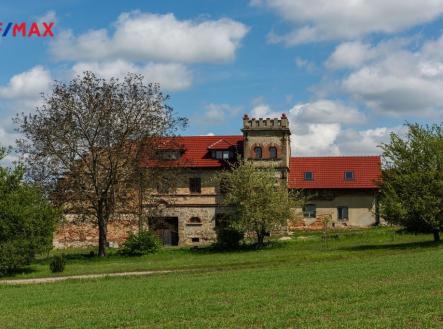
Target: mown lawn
(367, 279)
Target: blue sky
(346, 72)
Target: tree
(85, 143)
(260, 201)
(412, 180)
(27, 220)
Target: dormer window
(349, 175)
(221, 154)
(308, 175)
(258, 152)
(169, 154)
(273, 152)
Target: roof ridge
(221, 140)
(335, 156)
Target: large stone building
(341, 187)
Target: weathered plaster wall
(361, 207)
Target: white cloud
(350, 55)
(48, 17)
(321, 20)
(317, 128)
(326, 111)
(305, 64)
(146, 36)
(398, 81)
(317, 139)
(217, 114)
(171, 76)
(28, 84)
(7, 137)
(367, 141)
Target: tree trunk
(102, 231)
(436, 235)
(260, 239)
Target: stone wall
(77, 232)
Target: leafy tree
(412, 180)
(85, 143)
(27, 220)
(260, 201)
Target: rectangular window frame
(305, 176)
(195, 185)
(311, 213)
(345, 175)
(343, 213)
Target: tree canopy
(260, 201)
(412, 181)
(85, 143)
(27, 220)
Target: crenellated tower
(267, 142)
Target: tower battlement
(265, 123)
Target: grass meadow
(357, 279)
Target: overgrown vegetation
(142, 243)
(259, 200)
(412, 185)
(27, 220)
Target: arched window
(273, 152)
(195, 220)
(258, 152)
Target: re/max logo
(34, 29)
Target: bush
(13, 256)
(145, 242)
(57, 264)
(27, 220)
(229, 238)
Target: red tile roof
(221, 144)
(329, 172)
(197, 151)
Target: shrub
(142, 243)
(229, 238)
(57, 264)
(13, 255)
(27, 220)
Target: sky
(346, 72)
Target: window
(222, 155)
(258, 153)
(273, 152)
(195, 185)
(349, 175)
(195, 220)
(169, 154)
(309, 175)
(309, 211)
(342, 213)
(194, 240)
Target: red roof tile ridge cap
(210, 136)
(335, 156)
(221, 140)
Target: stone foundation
(79, 232)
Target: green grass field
(363, 279)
